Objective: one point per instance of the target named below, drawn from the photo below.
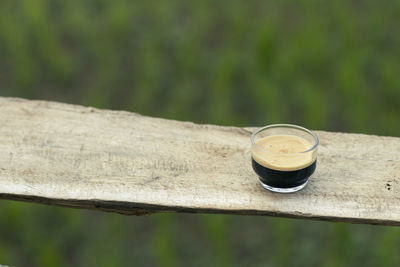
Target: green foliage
(325, 65)
(163, 243)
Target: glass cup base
(283, 190)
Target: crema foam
(283, 152)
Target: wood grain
(123, 162)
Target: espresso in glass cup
(284, 156)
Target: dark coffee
(283, 161)
(283, 178)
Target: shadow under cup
(284, 156)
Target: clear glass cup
(284, 156)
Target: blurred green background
(325, 65)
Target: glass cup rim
(253, 135)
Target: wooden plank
(123, 162)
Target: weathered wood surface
(123, 162)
